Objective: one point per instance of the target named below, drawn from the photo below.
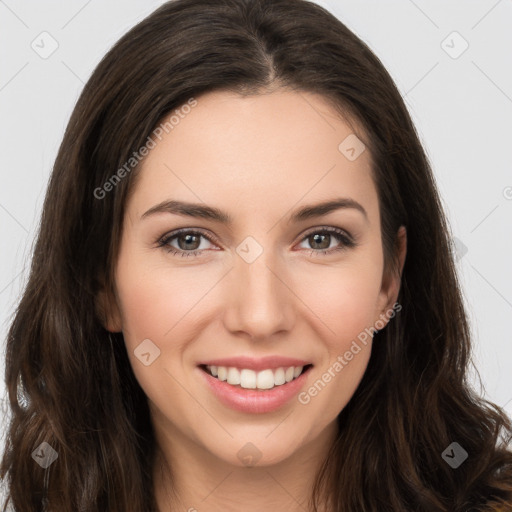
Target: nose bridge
(260, 302)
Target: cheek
(335, 383)
(344, 299)
(151, 308)
(140, 310)
(161, 304)
(155, 298)
(346, 304)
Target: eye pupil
(325, 237)
(189, 239)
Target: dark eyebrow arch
(199, 210)
(317, 210)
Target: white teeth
(250, 379)
(265, 379)
(233, 376)
(222, 373)
(279, 377)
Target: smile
(255, 385)
(251, 379)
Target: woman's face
(259, 280)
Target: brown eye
(319, 241)
(189, 242)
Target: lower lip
(253, 400)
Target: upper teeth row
(249, 379)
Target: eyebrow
(203, 211)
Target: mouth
(262, 380)
(256, 390)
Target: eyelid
(212, 238)
(346, 239)
(329, 229)
(172, 234)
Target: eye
(187, 240)
(320, 241)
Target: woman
(242, 295)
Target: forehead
(264, 151)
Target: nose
(259, 302)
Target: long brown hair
(70, 382)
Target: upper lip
(256, 364)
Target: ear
(107, 310)
(392, 278)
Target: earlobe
(107, 311)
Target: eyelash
(340, 235)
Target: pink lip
(253, 400)
(256, 364)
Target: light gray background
(462, 108)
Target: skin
(258, 158)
